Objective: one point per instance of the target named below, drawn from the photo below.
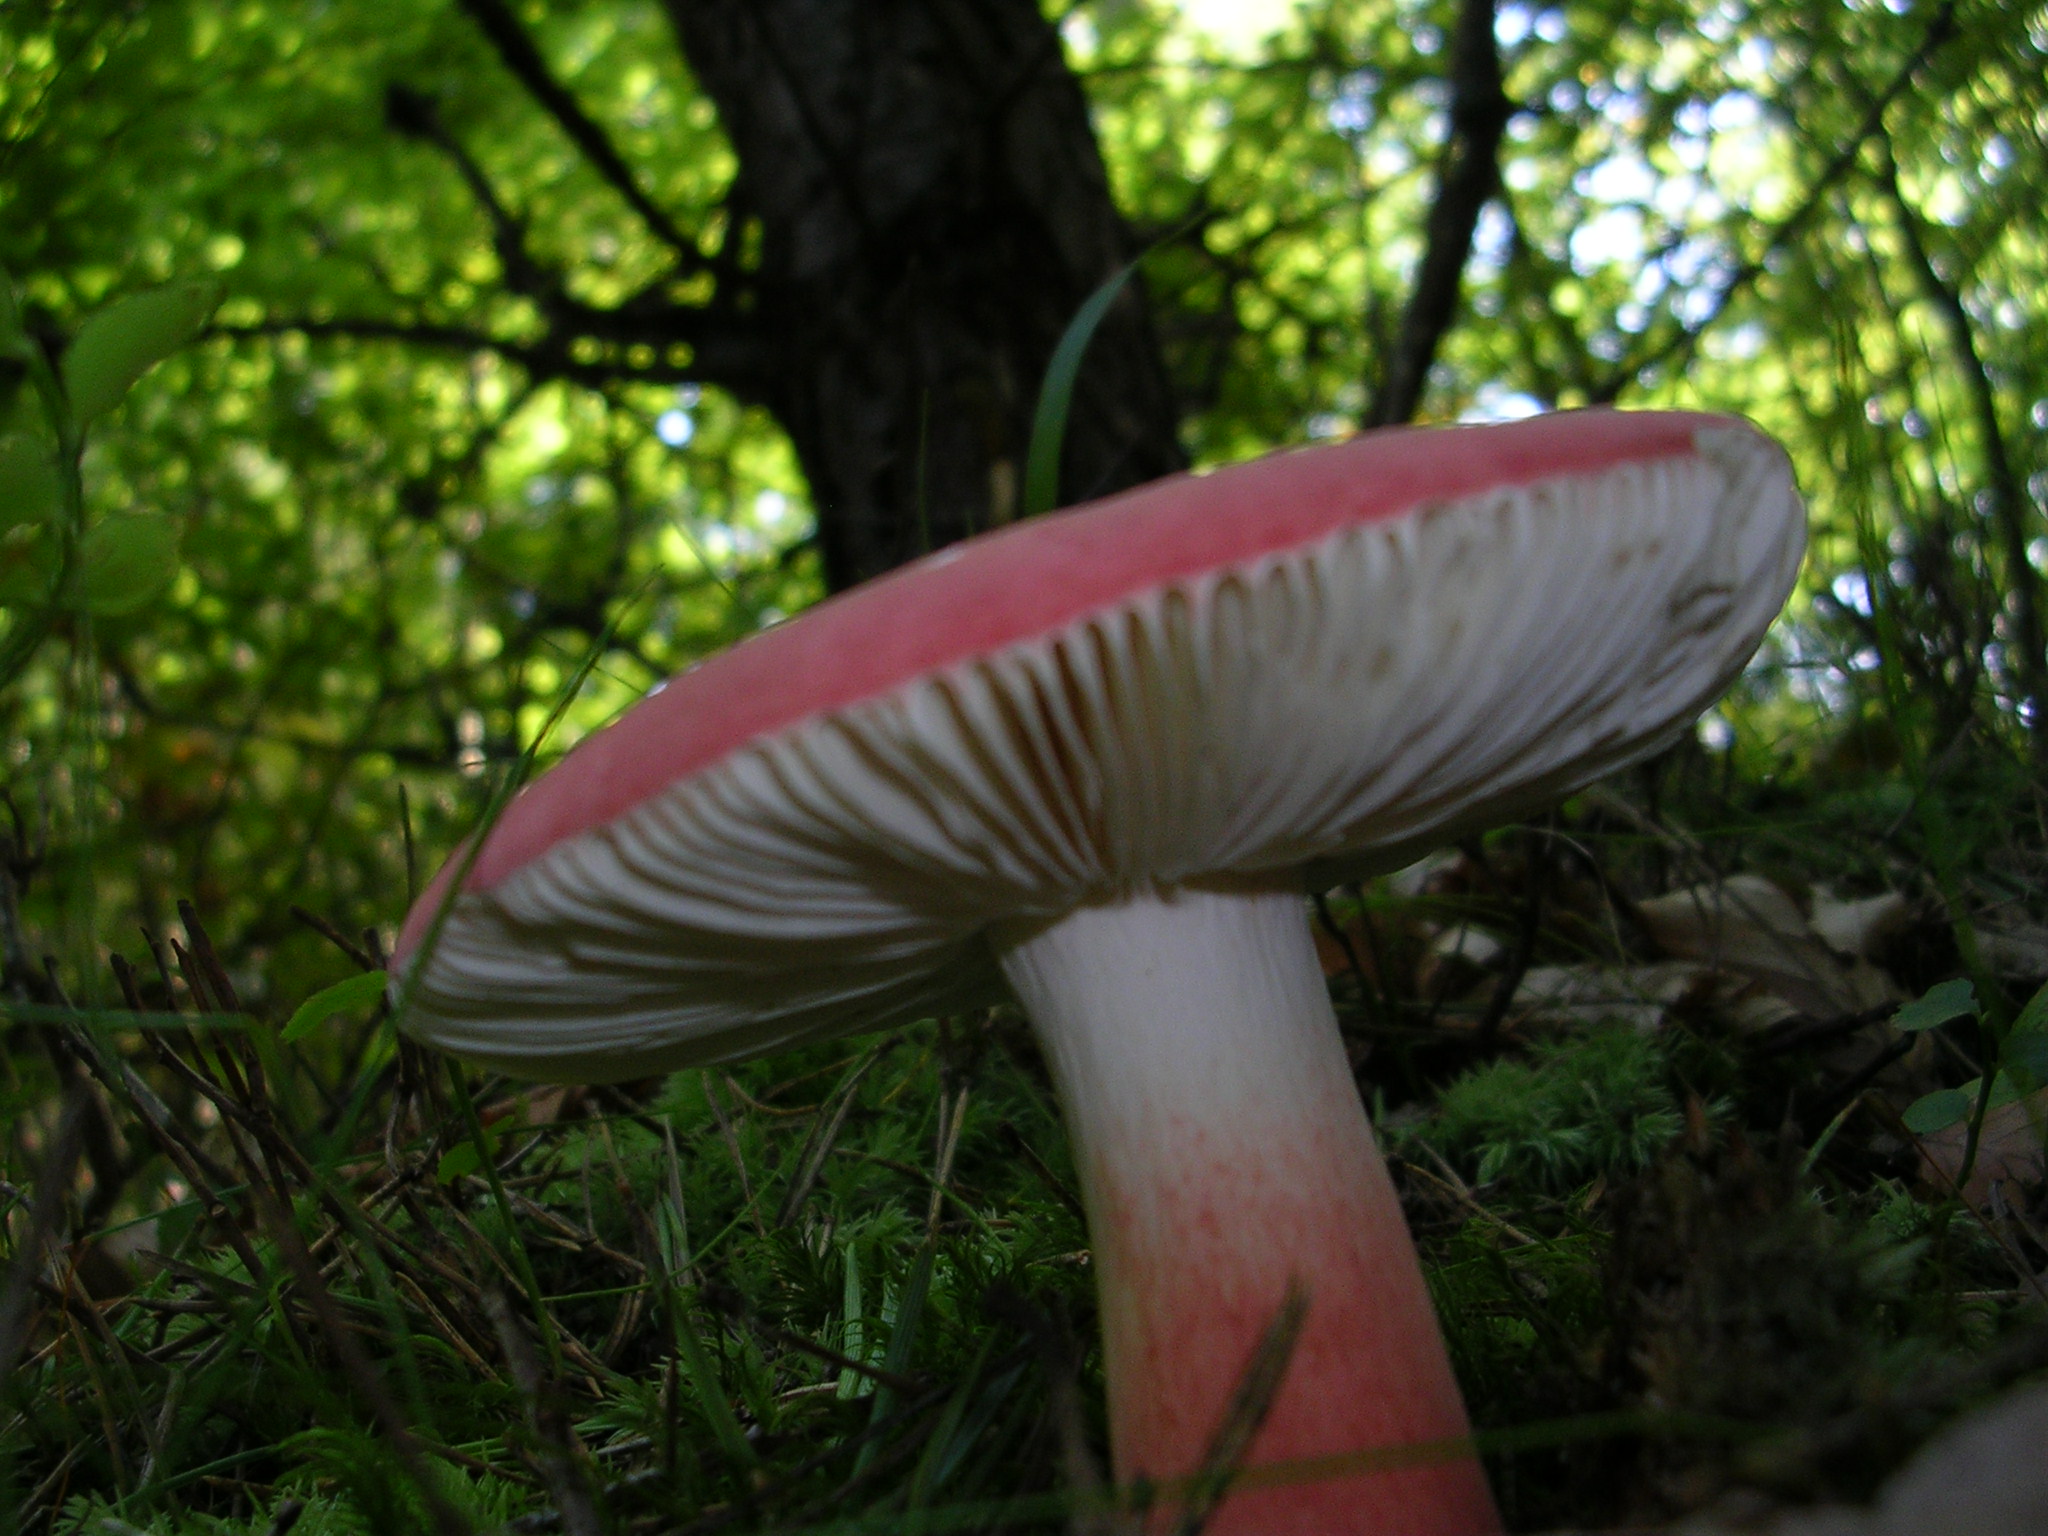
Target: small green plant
(2020, 1049)
(55, 563)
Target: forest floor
(1683, 1088)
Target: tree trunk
(931, 211)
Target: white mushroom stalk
(1095, 758)
(1225, 1158)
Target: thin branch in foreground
(559, 1464)
(2008, 498)
(1679, 346)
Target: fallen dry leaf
(1859, 927)
(1457, 957)
(1745, 926)
(1641, 995)
(2008, 1152)
(2017, 951)
(1336, 958)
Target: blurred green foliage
(392, 548)
(342, 553)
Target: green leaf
(464, 1157)
(129, 337)
(2035, 1015)
(1937, 1111)
(356, 992)
(28, 567)
(175, 1225)
(14, 342)
(2025, 1058)
(1949, 1000)
(1056, 396)
(30, 487)
(126, 561)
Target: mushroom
(1095, 759)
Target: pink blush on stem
(1224, 1153)
(1197, 1287)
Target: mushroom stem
(1223, 1153)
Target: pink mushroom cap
(547, 967)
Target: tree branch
(413, 114)
(516, 51)
(1468, 173)
(726, 348)
(726, 354)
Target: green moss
(1590, 1103)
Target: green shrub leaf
(27, 569)
(2025, 1058)
(456, 1161)
(30, 488)
(1937, 1111)
(129, 337)
(356, 992)
(1950, 1000)
(2035, 1015)
(126, 561)
(14, 342)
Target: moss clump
(1595, 1102)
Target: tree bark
(921, 208)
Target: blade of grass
(1250, 1401)
(1056, 394)
(356, 1365)
(704, 1380)
(902, 1340)
(954, 1431)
